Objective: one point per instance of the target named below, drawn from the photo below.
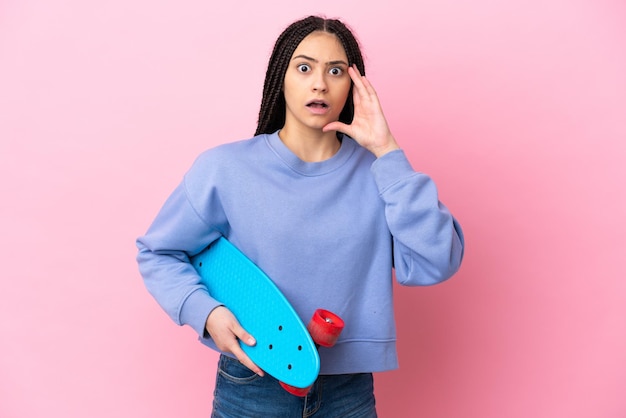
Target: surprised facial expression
(316, 83)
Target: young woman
(326, 203)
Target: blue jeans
(239, 393)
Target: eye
(336, 71)
(304, 68)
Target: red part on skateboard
(325, 327)
(301, 392)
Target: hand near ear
(369, 127)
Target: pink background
(517, 109)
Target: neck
(310, 145)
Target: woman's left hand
(369, 127)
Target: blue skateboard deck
(284, 348)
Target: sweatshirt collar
(307, 168)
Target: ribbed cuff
(391, 168)
(196, 309)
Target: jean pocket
(232, 370)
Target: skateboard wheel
(301, 392)
(325, 327)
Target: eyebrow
(316, 61)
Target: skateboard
(285, 348)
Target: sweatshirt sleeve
(181, 229)
(428, 241)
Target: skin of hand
(226, 331)
(369, 126)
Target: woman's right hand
(226, 332)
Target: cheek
(289, 82)
(288, 90)
(344, 91)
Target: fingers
(243, 335)
(246, 338)
(234, 348)
(226, 332)
(245, 360)
(338, 126)
(363, 88)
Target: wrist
(382, 150)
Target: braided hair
(273, 107)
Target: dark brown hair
(273, 108)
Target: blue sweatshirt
(328, 234)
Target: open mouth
(317, 104)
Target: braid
(273, 107)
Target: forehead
(322, 46)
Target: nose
(319, 82)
